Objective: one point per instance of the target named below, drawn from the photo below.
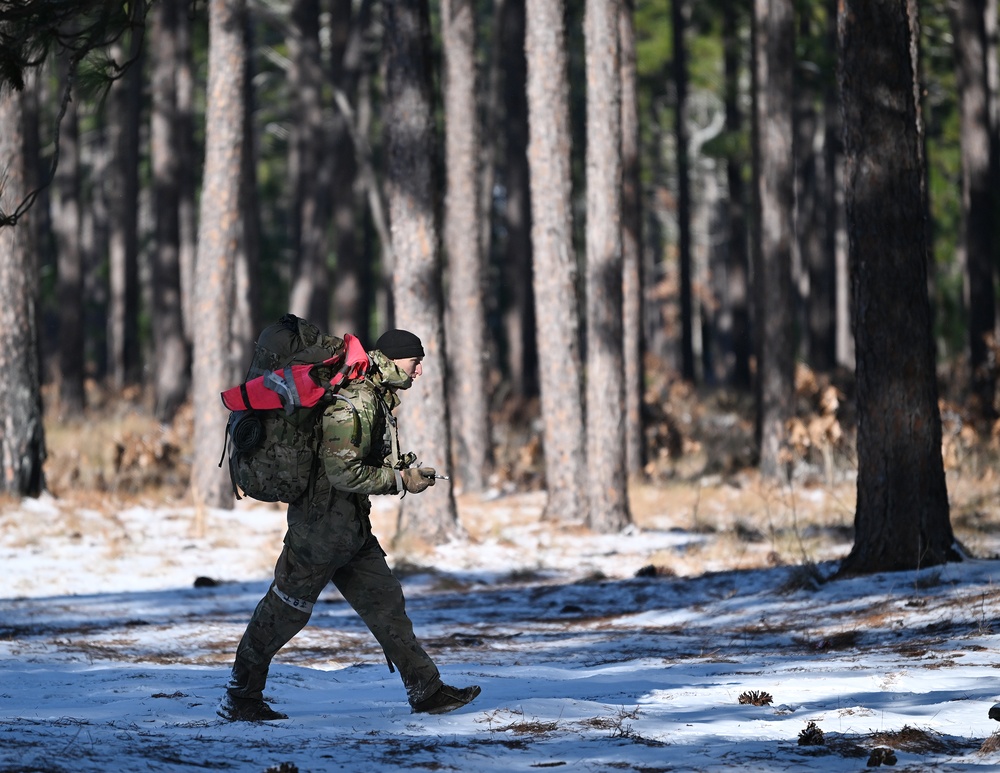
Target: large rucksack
(273, 431)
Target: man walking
(329, 538)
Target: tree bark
(978, 206)
(68, 226)
(22, 435)
(737, 298)
(123, 197)
(679, 16)
(632, 275)
(219, 240)
(554, 271)
(901, 521)
(776, 364)
(607, 492)
(171, 358)
(465, 316)
(417, 295)
(310, 295)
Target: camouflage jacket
(360, 446)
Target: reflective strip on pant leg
(299, 604)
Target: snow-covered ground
(111, 659)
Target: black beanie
(399, 345)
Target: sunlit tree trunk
(219, 239)
(607, 491)
(554, 270)
(22, 436)
(775, 47)
(465, 318)
(412, 192)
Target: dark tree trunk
(632, 275)
(679, 15)
(310, 294)
(978, 205)
(123, 195)
(519, 312)
(738, 257)
(352, 286)
(69, 270)
(171, 358)
(902, 518)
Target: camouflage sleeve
(347, 445)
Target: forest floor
(707, 637)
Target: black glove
(416, 479)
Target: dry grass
(118, 455)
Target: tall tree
(417, 293)
(631, 209)
(516, 261)
(678, 18)
(607, 492)
(22, 441)
(68, 226)
(309, 167)
(554, 269)
(171, 358)
(978, 197)
(219, 238)
(901, 521)
(737, 299)
(775, 62)
(348, 65)
(465, 314)
(125, 109)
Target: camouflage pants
(335, 545)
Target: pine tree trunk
(679, 16)
(520, 329)
(776, 366)
(125, 104)
(607, 491)
(22, 441)
(555, 273)
(423, 416)
(902, 518)
(632, 284)
(68, 225)
(978, 206)
(352, 286)
(219, 240)
(170, 352)
(310, 295)
(465, 317)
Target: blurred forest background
(621, 228)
